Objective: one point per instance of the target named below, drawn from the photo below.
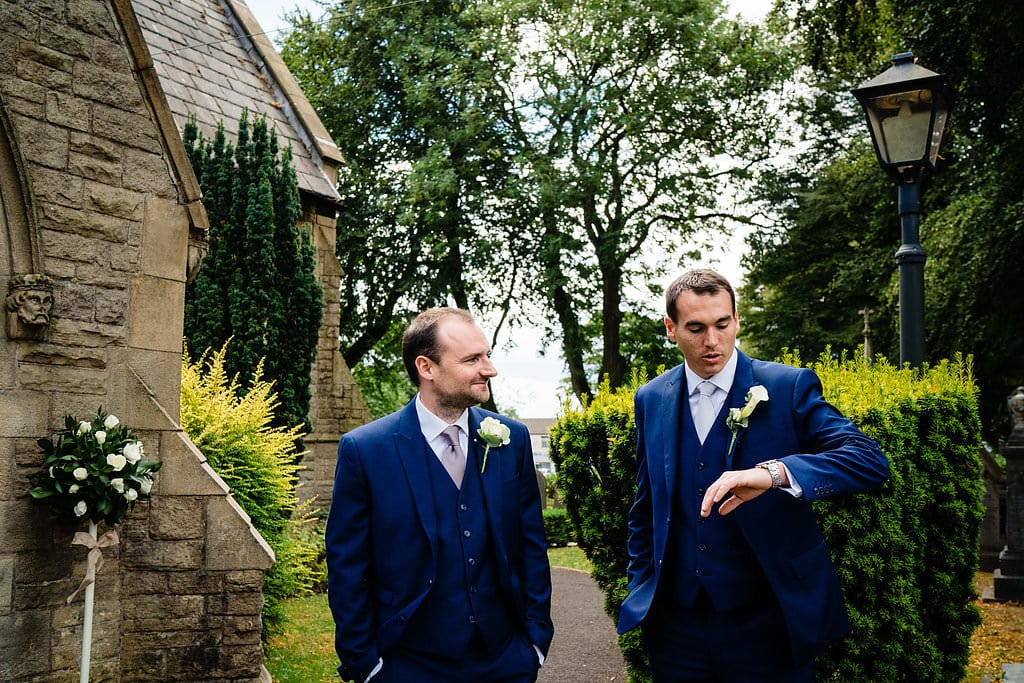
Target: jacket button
(466, 533)
(472, 619)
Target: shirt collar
(723, 380)
(432, 426)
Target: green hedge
(906, 557)
(558, 528)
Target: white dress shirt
(723, 383)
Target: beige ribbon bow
(94, 560)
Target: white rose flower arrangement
(93, 470)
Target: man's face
(459, 379)
(706, 331)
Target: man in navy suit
(729, 576)
(437, 566)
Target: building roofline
(298, 108)
(190, 195)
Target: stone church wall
(98, 205)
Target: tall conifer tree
(257, 286)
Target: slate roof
(213, 60)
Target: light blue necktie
(704, 413)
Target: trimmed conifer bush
(905, 556)
(257, 285)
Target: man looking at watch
(729, 576)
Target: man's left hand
(744, 485)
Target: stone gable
(100, 220)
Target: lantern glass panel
(903, 125)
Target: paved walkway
(584, 649)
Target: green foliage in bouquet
(93, 470)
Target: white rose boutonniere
(738, 417)
(495, 434)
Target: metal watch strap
(772, 467)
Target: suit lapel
(672, 416)
(412, 450)
(741, 383)
(491, 477)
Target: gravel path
(584, 649)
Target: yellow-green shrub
(231, 426)
(906, 556)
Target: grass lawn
(305, 653)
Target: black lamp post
(907, 107)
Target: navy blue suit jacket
(382, 534)
(823, 451)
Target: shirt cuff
(794, 489)
(540, 655)
(376, 669)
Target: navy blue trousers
(515, 662)
(700, 645)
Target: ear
(670, 329)
(425, 367)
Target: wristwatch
(772, 466)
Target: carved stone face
(30, 300)
(34, 307)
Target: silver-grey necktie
(704, 413)
(452, 457)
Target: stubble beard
(455, 403)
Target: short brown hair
(420, 337)
(701, 281)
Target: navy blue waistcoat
(464, 600)
(707, 553)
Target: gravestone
(1008, 578)
(993, 538)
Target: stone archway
(22, 284)
(16, 235)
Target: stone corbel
(28, 304)
(198, 239)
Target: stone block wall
(97, 199)
(336, 406)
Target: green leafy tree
(518, 157)
(381, 376)
(257, 285)
(426, 216)
(628, 118)
(810, 276)
(643, 342)
(973, 215)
